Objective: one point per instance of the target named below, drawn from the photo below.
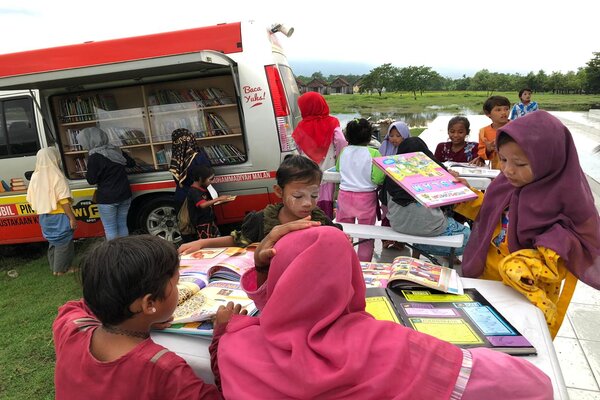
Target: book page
(204, 304)
(381, 309)
(453, 330)
(425, 274)
(235, 260)
(376, 274)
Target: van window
(291, 89)
(18, 133)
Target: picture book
(421, 177)
(221, 263)
(466, 320)
(407, 271)
(203, 303)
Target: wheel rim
(162, 222)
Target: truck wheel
(157, 217)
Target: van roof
(225, 38)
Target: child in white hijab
(50, 197)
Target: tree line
(417, 79)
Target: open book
(466, 169)
(209, 278)
(225, 263)
(409, 272)
(422, 178)
(466, 320)
(203, 303)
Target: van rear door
(19, 136)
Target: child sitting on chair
(537, 223)
(103, 346)
(298, 180)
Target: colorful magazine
(466, 320)
(407, 271)
(220, 263)
(430, 184)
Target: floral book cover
(430, 184)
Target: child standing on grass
(50, 197)
(457, 149)
(525, 106)
(200, 202)
(298, 180)
(103, 346)
(320, 138)
(496, 108)
(359, 178)
(537, 225)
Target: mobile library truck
(229, 84)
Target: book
(209, 278)
(408, 271)
(468, 320)
(430, 184)
(202, 304)
(221, 263)
(465, 169)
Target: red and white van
(230, 84)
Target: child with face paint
(298, 181)
(359, 178)
(537, 225)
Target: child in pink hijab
(314, 339)
(537, 225)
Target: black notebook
(467, 320)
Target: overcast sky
(456, 35)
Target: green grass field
(28, 303)
(453, 102)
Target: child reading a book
(103, 346)
(408, 216)
(50, 196)
(298, 180)
(200, 202)
(495, 108)
(537, 224)
(359, 178)
(457, 148)
(319, 342)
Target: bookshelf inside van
(140, 120)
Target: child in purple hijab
(397, 132)
(537, 225)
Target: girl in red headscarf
(537, 224)
(320, 138)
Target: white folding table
(524, 316)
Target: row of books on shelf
(85, 108)
(206, 97)
(193, 124)
(217, 124)
(163, 156)
(116, 135)
(222, 154)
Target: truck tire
(157, 217)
